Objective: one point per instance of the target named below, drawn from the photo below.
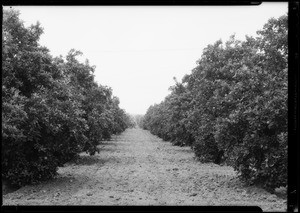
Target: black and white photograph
(145, 106)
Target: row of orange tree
(52, 108)
(232, 108)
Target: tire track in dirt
(138, 168)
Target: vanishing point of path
(138, 168)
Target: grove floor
(138, 168)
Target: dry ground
(137, 168)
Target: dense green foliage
(232, 108)
(137, 120)
(52, 109)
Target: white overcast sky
(138, 50)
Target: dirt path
(137, 168)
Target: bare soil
(138, 168)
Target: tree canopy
(232, 108)
(52, 108)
